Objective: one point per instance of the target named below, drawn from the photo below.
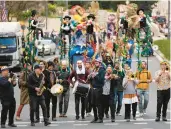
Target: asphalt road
(146, 122)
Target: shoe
(128, 120)
(112, 120)
(18, 118)
(134, 118)
(99, 121)
(157, 119)
(107, 115)
(32, 124)
(64, 115)
(83, 118)
(94, 121)
(60, 115)
(141, 115)
(118, 114)
(77, 117)
(3, 126)
(145, 111)
(47, 123)
(37, 121)
(54, 119)
(12, 125)
(164, 119)
(88, 114)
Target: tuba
(42, 87)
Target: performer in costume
(24, 96)
(90, 28)
(50, 80)
(144, 78)
(64, 97)
(35, 80)
(81, 75)
(8, 102)
(162, 78)
(34, 24)
(97, 81)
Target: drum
(81, 89)
(56, 89)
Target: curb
(161, 57)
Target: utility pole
(169, 20)
(46, 9)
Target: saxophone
(42, 87)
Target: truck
(10, 44)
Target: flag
(4, 11)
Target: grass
(164, 47)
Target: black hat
(33, 13)
(139, 10)
(91, 16)
(67, 17)
(50, 63)
(37, 67)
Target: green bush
(164, 47)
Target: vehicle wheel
(54, 52)
(50, 52)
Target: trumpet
(131, 76)
(42, 87)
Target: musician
(145, 79)
(64, 97)
(24, 96)
(35, 80)
(88, 98)
(162, 78)
(130, 98)
(80, 75)
(117, 87)
(34, 24)
(50, 80)
(97, 81)
(107, 95)
(7, 97)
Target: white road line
(80, 124)
(53, 125)
(167, 122)
(22, 125)
(147, 128)
(111, 124)
(141, 123)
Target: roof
(10, 27)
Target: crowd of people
(109, 88)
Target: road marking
(167, 122)
(80, 124)
(111, 124)
(22, 125)
(53, 125)
(141, 123)
(147, 128)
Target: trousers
(48, 97)
(128, 110)
(88, 102)
(77, 103)
(34, 102)
(63, 102)
(8, 106)
(163, 97)
(97, 103)
(108, 101)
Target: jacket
(6, 89)
(33, 82)
(64, 75)
(98, 80)
(117, 83)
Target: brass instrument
(131, 77)
(42, 87)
